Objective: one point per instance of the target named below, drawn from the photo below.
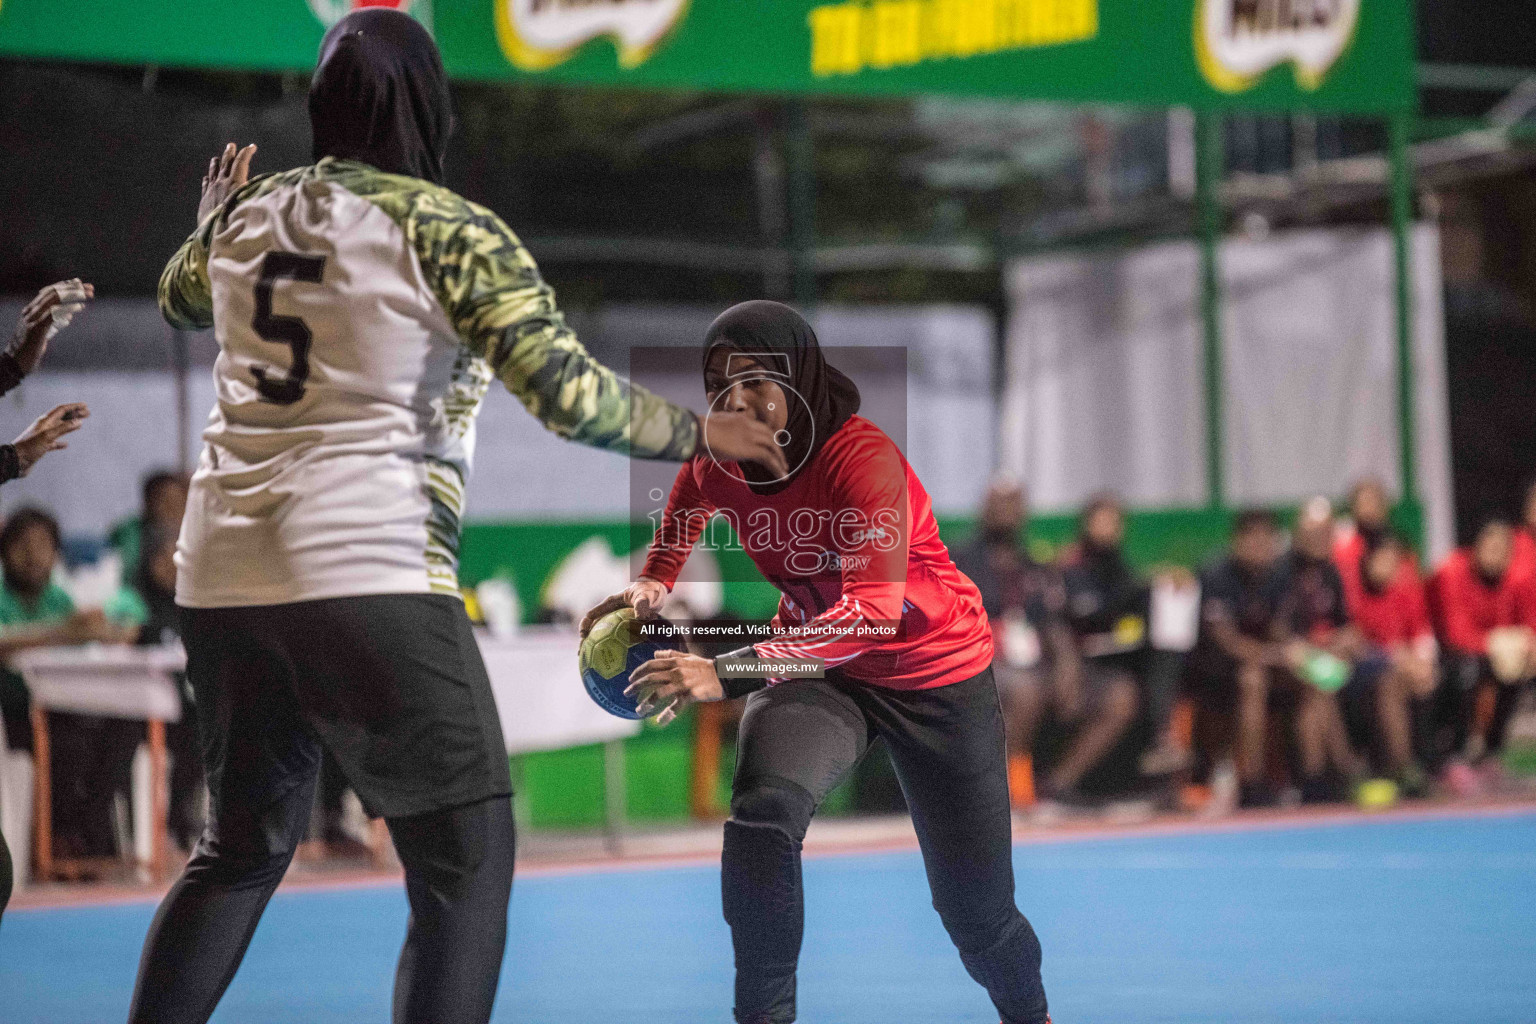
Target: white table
(539, 699)
(116, 681)
(543, 706)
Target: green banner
(1337, 55)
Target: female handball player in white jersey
(362, 310)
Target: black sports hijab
(780, 339)
(380, 95)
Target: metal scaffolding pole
(1402, 227)
(1208, 174)
(802, 204)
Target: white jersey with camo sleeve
(360, 318)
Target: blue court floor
(1391, 921)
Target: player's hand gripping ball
(610, 651)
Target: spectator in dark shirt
(1238, 653)
(1036, 663)
(1484, 613)
(1106, 608)
(1322, 647)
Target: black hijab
(380, 95)
(762, 328)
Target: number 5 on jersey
(285, 330)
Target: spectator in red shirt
(1395, 676)
(1481, 606)
(1369, 508)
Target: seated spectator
(1106, 608)
(1024, 599)
(1261, 616)
(1368, 522)
(1236, 654)
(1389, 694)
(152, 602)
(1479, 604)
(1322, 648)
(163, 504)
(89, 753)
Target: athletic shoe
(1461, 780)
(1491, 771)
(1166, 759)
(1257, 794)
(1413, 783)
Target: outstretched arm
(49, 312)
(186, 296)
(681, 524)
(42, 437)
(504, 311)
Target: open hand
(43, 436)
(226, 173)
(739, 437)
(48, 313)
(674, 679)
(645, 596)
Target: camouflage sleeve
(186, 297)
(185, 294)
(506, 313)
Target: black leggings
(7, 878)
(798, 740)
(1466, 675)
(393, 686)
(458, 877)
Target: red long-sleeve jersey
(1397, 616)
(1466, 609)
(854, 550)
(1349, 552)
(1522, 563)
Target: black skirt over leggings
(798, 740)
(393, 687)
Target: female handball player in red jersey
(849, 539)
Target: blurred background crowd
(1315, 657)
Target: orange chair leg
(1181, 723)
(1021, 781)
(42, 797)
(705, 772)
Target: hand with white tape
(49, 312)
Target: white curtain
(944, 416)
(1105, 376)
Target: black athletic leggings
(7, 876)
(798, 740)
(458, 877)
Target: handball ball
(610, 652)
